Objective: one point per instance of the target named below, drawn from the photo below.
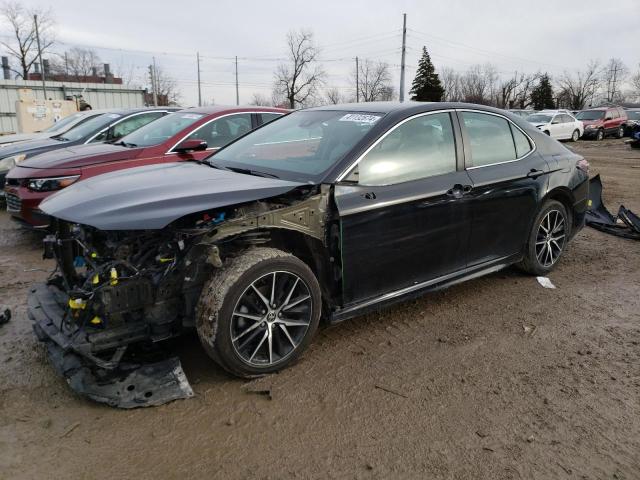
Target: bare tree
(615, 74)
(577, 88)
(450, 80)
(166, 88)
(23, 46)
(260, 100)
(635, 81)
(374, 81)
(333, 96)
(77, 63)
(515, 92)
(478, 84)
(299, 80)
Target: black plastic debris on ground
(5, 316)
(626, 224)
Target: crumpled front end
(116, 379)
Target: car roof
(393, 107)
(231, 108)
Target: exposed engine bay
(115, 295)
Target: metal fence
(97, 95)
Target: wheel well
(564, 197)
(312, 252)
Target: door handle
(458, 190)
(533, 173)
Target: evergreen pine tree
(542, 94)
(426, 86)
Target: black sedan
(325, 213)
(106, 127)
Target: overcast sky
(511, 34)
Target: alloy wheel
(271, 318)
(550, 239)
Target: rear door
(508, 176)
(403, 214)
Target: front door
(404, 214)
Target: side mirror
(191, 145)
(608, 118)
(555, 122)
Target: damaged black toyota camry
(325, 213)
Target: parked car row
(119, 140)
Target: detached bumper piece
(626, 224)
(120, 381)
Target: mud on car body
(324, 213)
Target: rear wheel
(600, 135)
(547, 240)
(259, 312)
(575, 136)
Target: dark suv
(602, 121)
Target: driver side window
(419, 148)
(224, 130)
(126, 126)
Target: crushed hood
(80, 156)
(151, 197)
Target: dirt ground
(497, 378)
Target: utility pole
(404, 50)
(237, 91)
(154, 83)
(66, 65)
(199, 90)
(611, 87)
(44, 85)
(357, 82)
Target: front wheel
(547, 239)
(575, 136)
(600, 135)
(620, 132)
(259, 312)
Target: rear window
(590, 115)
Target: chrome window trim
(170, 152)
(533, 149)
(122, 120)
(346, 172)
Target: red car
(191, 134)
(602, 121)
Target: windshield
(590, 115)
(89, 127)
(538, 118)
(162, 129)
(633, 114)
(62, 124)
(300, 146)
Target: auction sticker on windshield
(360, 118)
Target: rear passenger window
(523, 146)
(421, 147)
(490, 137)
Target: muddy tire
(259, 312)
(547, 240)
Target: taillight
(583, 165)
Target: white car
(559, 124)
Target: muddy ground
(497, 378)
